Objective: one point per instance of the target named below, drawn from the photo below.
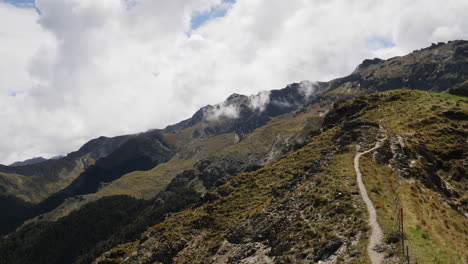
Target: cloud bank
(85, 68)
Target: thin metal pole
(402, 236)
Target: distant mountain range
(266, 178)
(28, 162)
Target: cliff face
(274, 171)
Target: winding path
(377, 234)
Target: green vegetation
(147, 184)
(312, 211)
(37, 187)
(13, 210)
(435, 232)
(306, 205)
(278, 188)
(84, 234)
(255, 147)
(64, 240)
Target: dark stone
(182, 179)
(331, 247)
(455, 115)
(368, 62)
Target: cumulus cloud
(85, 68)
(259, 101)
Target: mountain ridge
(27, 161)
(218, 152)
(246, 218)
(249, 112)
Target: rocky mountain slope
(306, 207)
(441, 67)
(259, 203)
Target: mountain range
(266, 178)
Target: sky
(73, 70)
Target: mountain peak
(235, 97)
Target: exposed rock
(396, 155)
(249, 253)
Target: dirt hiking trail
(377, 234)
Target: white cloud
(86, 68)
(221, 111)
(259, 101)
(307, 88)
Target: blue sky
(20, 3)
(381, 42)
(200, 19)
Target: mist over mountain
(74, 70)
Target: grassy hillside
(302, 208)
(246, 210)
(433, 198)
(96, 227)
(35, 182)
(37, 187)
(226, 154)
(306, 207)
(63, 241)
(207, 151)
(252, 149)
(278, 184)
(19, 193)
